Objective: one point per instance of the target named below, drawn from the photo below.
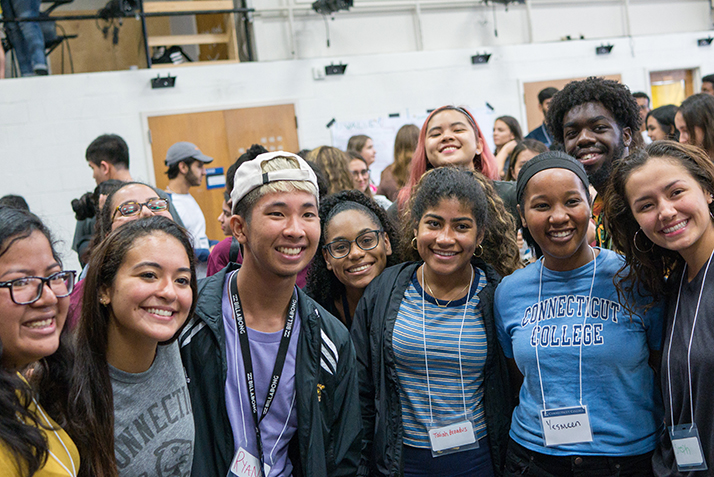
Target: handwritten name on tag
(246, 465)
(687, 451)
(566, 425)
(453, 435)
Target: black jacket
(372, 332)
(328, 438)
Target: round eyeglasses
(367, 240)
(132, 207)
(27, 290)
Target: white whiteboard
(383, 131)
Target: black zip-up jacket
(372, 331)
(328, 438)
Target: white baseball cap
(250, 175)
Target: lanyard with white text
(248, 362)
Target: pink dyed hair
(484, 162)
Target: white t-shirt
(192, 217)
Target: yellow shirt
(62, 457)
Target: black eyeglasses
(367, 240)
(127, 209)
(27, 290)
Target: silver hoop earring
(634, 242)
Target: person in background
(86, 209)
(708, 84)
(26, 38)
(128, 202)
(394, 176)
(16, 201)
(129, 411)
(660, 123)
(576, 347)
(360, 176)
(364, 146)
(228, 249)
(335, 166)
(643, 103)
(595, 120)
(506, 133)
(34, 293)
(355, 247)
(661, 199)
(523, 152)
(695, 122)
(108, 157)
(186, 169)
(251, 323)
(426, 342)
(541, 133)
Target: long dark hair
(645, 271)
(474, 190)
(513, 126)
(664, 115)
(698, 111)
(91, 407)
(322, 284)
(20, 430)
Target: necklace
(436, 299)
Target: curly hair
(614, 96)
(646, 272)
(322, 285)
(485, 162)
(335, 166)
(474, 190)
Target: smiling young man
(595, 119)
(272, 375)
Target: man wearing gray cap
(186, 169)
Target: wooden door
(224, 136)
(534, 116)
(670, 87)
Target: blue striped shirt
(442, 343)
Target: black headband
(549, 160)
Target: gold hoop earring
(634, 242)
(414, 244)
(480, 248)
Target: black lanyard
(248, 362)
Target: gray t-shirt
(153, 420)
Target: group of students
(457, 361)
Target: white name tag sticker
(687, 447)
(246, 465)
(566, 425)
(454, 435)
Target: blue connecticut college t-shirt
(617, 382)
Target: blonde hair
(245, 206)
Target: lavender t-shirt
(280, 425)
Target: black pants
(522, 461)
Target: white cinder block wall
(47, 123)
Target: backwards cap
(250, 174)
